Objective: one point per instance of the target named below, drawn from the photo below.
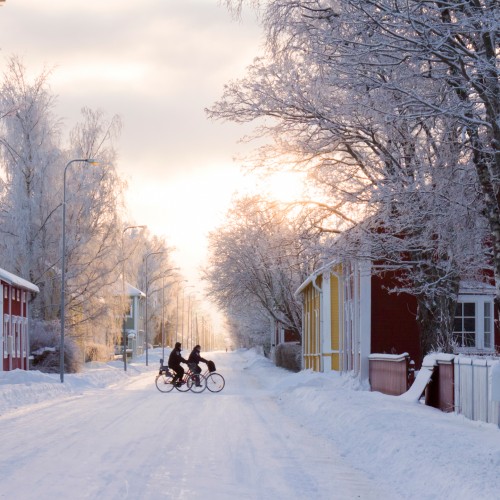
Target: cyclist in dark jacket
(193, 361)
(174, 362)
(195, 358)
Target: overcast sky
(157, 64)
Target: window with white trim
(473, 327)
(6, 333)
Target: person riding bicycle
(174, 362)
(194, 360)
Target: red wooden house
(14, 333)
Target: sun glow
(286, 186)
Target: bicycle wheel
(164, 382)
(197, 383)
(184, 386)
(215, 382)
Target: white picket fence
(473, 389)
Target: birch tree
(30, 156)
(32, 161)
(94, 198)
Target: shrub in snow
(96, 352)
(45, 341)
(289, 356)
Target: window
(473, 327)
(488, 322)
(465, 324)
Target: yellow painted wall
(311, 334)
(311, 328)
(336, 317)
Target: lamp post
(63, 271)
(124, 334)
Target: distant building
(134, 320)
(14, 332)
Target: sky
(268, 435)
(158, 64)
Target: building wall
(311, 327)
(335, 322)
(394, 328)
(14, 328)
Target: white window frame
(479, 301)
(6, 333)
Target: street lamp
(63, 271)
(123, 295)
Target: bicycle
(190, 381)
(214, 381)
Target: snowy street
(131, 441)
(257, 439)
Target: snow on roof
(12, 279)
(132, 291)
(390, 357)
(313, 276)
(476, 288)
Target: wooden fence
(473, 388)
(459, 383)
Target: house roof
(12, 279)
(315, 274)
(134, 292)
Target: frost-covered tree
(258, 258)
(151, 269)
(93, 200)
(30, 159)
(32, 164)
(357, 104)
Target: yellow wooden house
(336, 318)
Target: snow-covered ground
(269, 434)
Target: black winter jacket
(175, 359)
(195, 357)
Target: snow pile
(418, 448)
(20, 388)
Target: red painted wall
(393, 321)
(17, 308)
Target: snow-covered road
(129, 441)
